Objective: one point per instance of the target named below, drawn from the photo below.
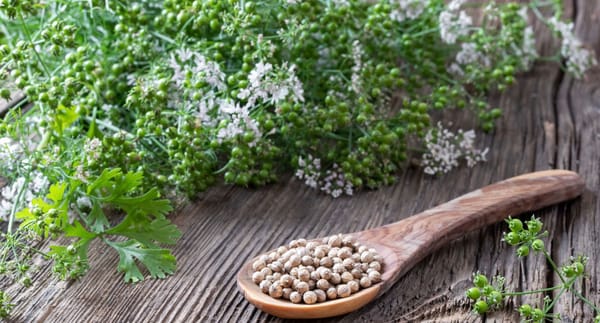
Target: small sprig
(486, 297)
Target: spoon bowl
(403, 244)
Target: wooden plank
(551, 121)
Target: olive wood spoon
(403, 244)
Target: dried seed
(295, 297)
(302, 287)
(354, 286)
(375, 276)
(264, 286)
(307, 260)
(315, 275)
(366, 256)
(326, 262)
(335, 278)
(348, 263)
(257, 277)
(321, 296)
(346, 277)
(286, 280)
(343, 291)
(275, 290)
(303, 274)
(335, 241)
(287, 292)
(331, 293)
(323, 284)
(375, 265)
(309, 297)
(365, 282)
(258, 265)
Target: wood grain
(550, 121)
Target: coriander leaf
(64, 118)
(104, 179)
(96, 220)
(78, 230)
(159, 262)
(56, 192)
(134, 226)
(147, 203)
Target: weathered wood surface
(551, 121)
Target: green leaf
(96, 220)
(104, 179)
(56, 192)
(159, 262)
(78, 230)
(64, 118)
(147, 203)
(135, 226)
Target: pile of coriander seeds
(312, 272)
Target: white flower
(239, 121)
(92, 148)
(579, 59)
(267, 86)
(469, 54)
(334, 183)
(454, 24)
(528, 51)
(309, 170)
(408, 9)
(445, 149)
(357, 53)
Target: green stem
(543, 290)
(30, 39)
(554, 266)
(587, 301)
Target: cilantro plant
(127, 101)
(487, 296)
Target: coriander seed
(343, 291)
(331, 293)
(295, 297)
(323, 284)
(321, 296)
(309, 297)
(257, 277)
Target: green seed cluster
(311, 272)
(526, 238)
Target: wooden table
(551, 121)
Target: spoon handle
(413, 238)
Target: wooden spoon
(403, 244)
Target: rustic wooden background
(551, 121)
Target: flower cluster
(579, 59)
(445, 149)
(332, 181)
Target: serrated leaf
(105, 177)
(147, 203)
(64, 118)
(96, 219)
(78, 230)
(148, 233)
(56, 192)
(159, 262)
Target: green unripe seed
(481, 307)
(473, 293)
